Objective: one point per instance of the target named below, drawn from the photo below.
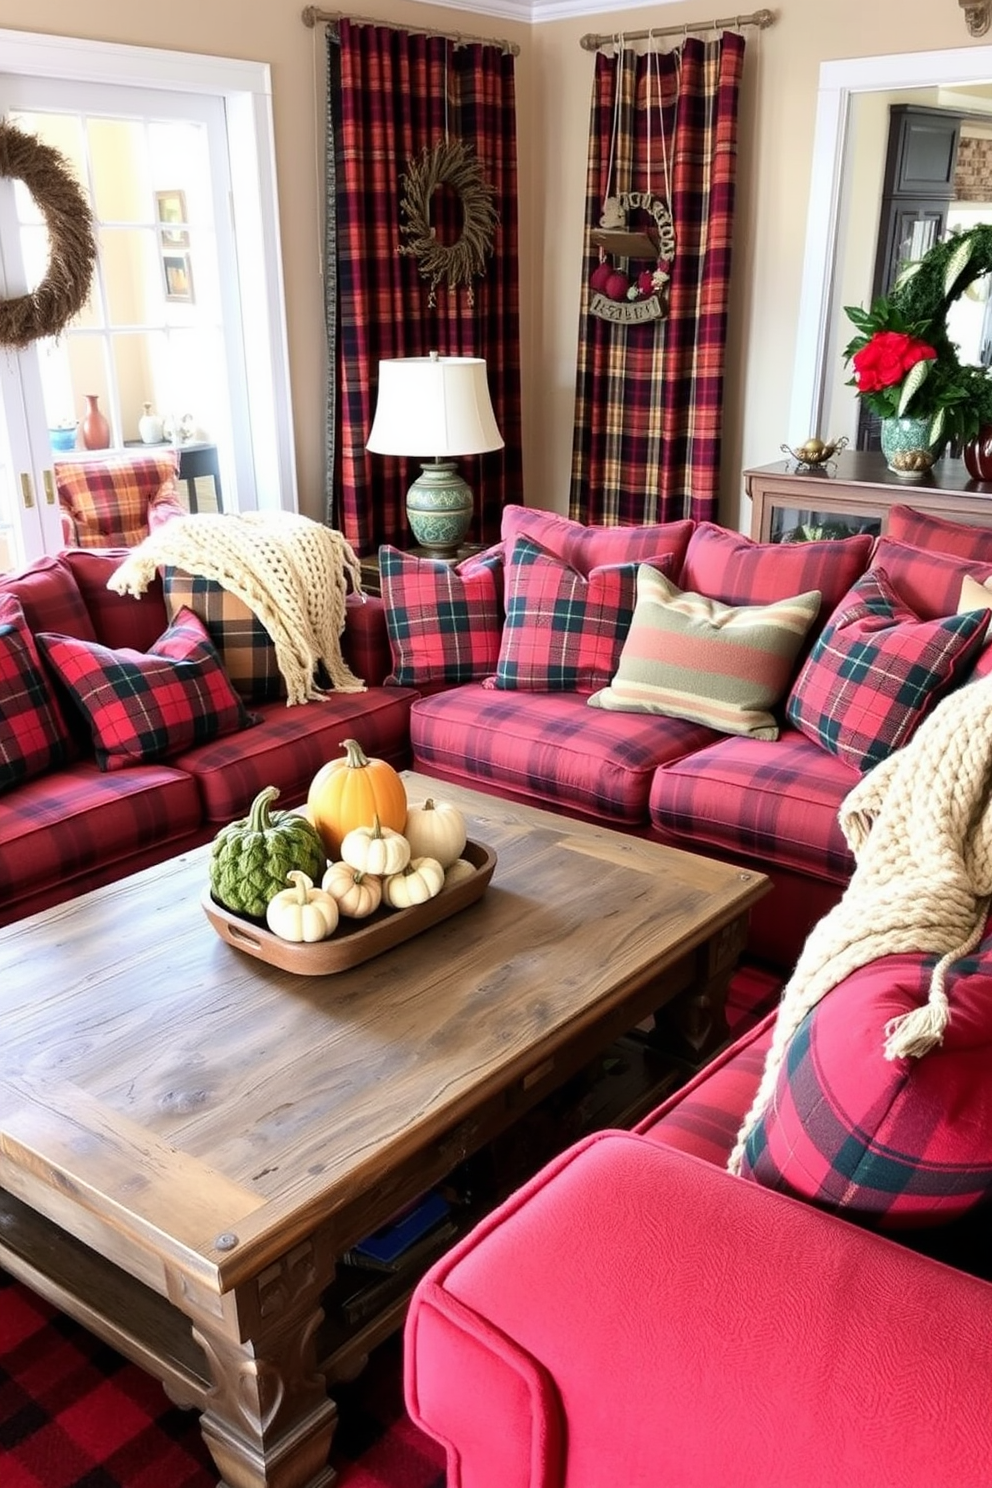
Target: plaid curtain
(393, 94)
(649, 397)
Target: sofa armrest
(365, 643)
(688, 1329)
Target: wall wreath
(72, 244)
(449, 163)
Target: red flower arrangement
(884, 360)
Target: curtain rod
(313, 17)
(760, 18)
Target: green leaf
(957, 263)
(915, 378)
(937, 425)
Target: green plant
(905, 364)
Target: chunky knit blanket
(920, 827)
(290, 571)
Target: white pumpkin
(357, 894)
(375, 849)
(419, 881)
(435, 830)
(458, 872)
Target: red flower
(887, 358)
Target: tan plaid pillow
(107, 500)
(245, 646)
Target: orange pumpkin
(352, 792)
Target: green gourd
(251, 858)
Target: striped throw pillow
(725, 666)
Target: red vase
(94, 427)
(978, 454)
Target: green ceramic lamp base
(439, 509)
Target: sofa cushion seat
(705, 1115)
(287, 747)
(549, 747)
(67, 826)
(773, 801)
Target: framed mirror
(842, 220)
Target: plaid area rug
(74, 1414)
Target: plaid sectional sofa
(676, 775)
(175, 767)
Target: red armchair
(636, 1317)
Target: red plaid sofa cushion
(774, 803)
(61, 830)
(563, 631)
(939, 535)
(246, 650)
(704, 1116)
(117, 619)
(33, 737)
(444, 624)
(287, 746)
(549, 748)
(732, 568)
(143, 705)
(903, 1142)
(50, 598)
(876, 670)
(585, 548)
(929, 583)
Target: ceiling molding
(536, 11)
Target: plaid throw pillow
(563, 632)
(444, 624)
(902, 1142)
(143, 705)
(737, 571)
(32, 735)
(687, 656)
(877, 670)
(585, 548)
(940, 535)
(246, 649)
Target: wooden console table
(855, 495)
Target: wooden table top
(161, 1086)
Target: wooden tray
(354, 941)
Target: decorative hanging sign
(451, 164)
(618, 296)
(72, 244)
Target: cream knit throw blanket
(289, 571)
(920, 827)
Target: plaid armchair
(114, 501)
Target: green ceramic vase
(903, 441)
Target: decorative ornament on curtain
(635, 227)
(452, 164)
(649, 396)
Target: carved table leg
(267, 1419)
(694, 1024)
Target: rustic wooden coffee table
(190, 1138)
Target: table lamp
(435, 407)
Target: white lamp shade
(433, 407)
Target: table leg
(694, 1024)
(267, 1419)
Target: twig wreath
(449, 163)
(72, 244)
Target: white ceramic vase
(150, 426)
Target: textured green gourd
(251, 857)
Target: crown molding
(536, 11)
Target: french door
(185, 311)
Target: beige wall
(553, 85)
